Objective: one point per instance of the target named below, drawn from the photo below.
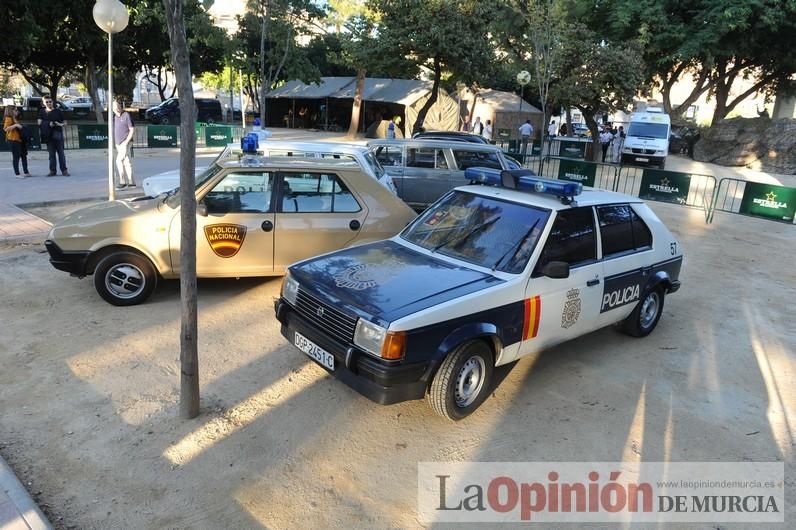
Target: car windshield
(173, 196)
(484, 231)
(648, 130)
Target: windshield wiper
(463, 237)
(517, 245)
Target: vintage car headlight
(290, 289)
(377, 340)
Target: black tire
(646, 315)
(164, 120)
(210, 121)
(125, 278)
(448, 394)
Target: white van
(647, 140)
(163, 182)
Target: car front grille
(326, 318)
(643, 151)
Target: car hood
(386, 281)
(113, 211)
(166, 181)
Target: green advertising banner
(583, 172)
(665, 186)
(769, 201)
(572, 149)
(161, 136)
(218, 136)
(34, 142)
(92, 137)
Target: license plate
(314, 351)
(642, 159)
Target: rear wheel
(164, 120)
(646, 315)
(125, 278)
(463, 381)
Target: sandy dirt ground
(89, 394)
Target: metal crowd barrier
(755, 199)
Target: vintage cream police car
(255, 216)
(487, 274)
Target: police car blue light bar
(249, 143)
(523, 180)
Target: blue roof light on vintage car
(524, 180)
(249, 143)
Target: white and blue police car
(486, 275)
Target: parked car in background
(683, 138)
(208, 110)
(424, 170)
(33, 104)
(255, 216)
(456, 136)
(581, 130)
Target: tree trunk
(569, 121)
(189, 356)
(421, 116)
(263, 34)
(356, 108)
(591, 123)
(93, 91)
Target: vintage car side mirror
(556, 269)
(201, 209)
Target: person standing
(618, 142)
(526, 131)
(16, 140)
(478, 127)
(391, 129)
(487, 133)
(466, 124)
(605, 140)
(123, 132)
(51, 125)
(552, 129)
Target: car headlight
(290, 289)
(378, 341)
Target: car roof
(291, 162)
(320, 147)
(438, 143)
(589, 197)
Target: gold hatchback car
(255, 216)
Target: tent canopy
(400, 91)
(325, 89)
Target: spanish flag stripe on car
(533, 310)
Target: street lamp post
(523, 78)
(111, 16)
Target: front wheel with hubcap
(646, 315)
(125, 278)
(463, 381)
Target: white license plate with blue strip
(314, 351)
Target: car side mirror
(556, 269)
(201, 209)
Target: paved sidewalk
(17, 509)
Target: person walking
(478, 127)
(487, 132)
(123, 132)
(552, 129)
(526, 131)
(51, 126)
(605, 140)
(618, 142)
(16, 140)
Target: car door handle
(267, 226)
(592, 283)
(354, 225)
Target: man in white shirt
(605, 140)
(526, 131)
(487, 134)
(478, 127)
(552, 129)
